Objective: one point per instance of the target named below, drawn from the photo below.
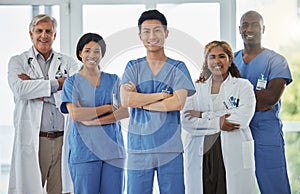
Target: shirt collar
(38, 55)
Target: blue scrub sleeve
(67, 94)
(129, 73)
(280, 69)
(183, 79)
(116, 89)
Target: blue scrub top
(266, 126)
(150, 131)
(90, 143)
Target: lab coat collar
(54, 65)
(228, 80)
(33, 53)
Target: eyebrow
(148, 28)
(47, 29)
(218, 54)
(250, 22)
(91, 48)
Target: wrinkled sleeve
(199, 126)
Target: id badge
(261, 82)
(168, 90)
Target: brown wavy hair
(205, 73)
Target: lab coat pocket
(248, 154)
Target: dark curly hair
(205, 73)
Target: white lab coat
(25, 176)
(237, 146)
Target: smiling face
(43, 36)
(251, 28)
(218, 62)
(91, 55)
(153, 35)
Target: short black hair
(88, 37)
(153, 15)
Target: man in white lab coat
(36, 78)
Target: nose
(94, 55)
(217, 59)
(152, 34)
(44, 34)
(249, 28)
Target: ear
(240, 30)
(230, 61)
(166, 33)
(140, 36)
(263, 29)
(54, 36)
(31, 34)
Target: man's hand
(130, 87)
(24, 76)
(61, 81)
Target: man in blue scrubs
(269, 73)
(155, 87)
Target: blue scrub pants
(97, 177)
(271, 172)
(169, 175)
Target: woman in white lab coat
(219, 115)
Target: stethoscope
(37, 76)
(59, 73)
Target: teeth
(92, 61)
(249, 36)
(153, 42)
(217, 66)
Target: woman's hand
(91, 122)
(189, 114)
(226, 125)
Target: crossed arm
(224, 123)
(267, 98)
(99, 115)
(161, 101)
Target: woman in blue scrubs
(91, 97)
